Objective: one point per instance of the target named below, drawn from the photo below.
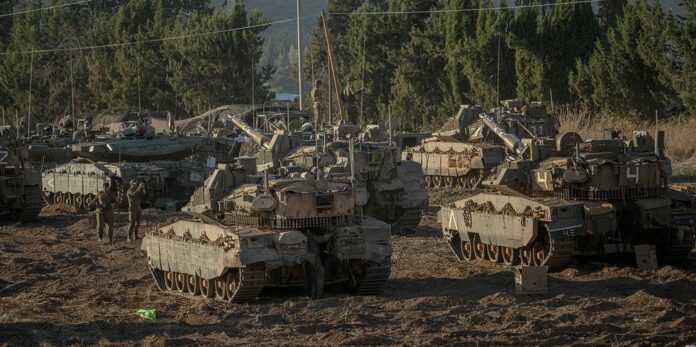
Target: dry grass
(680, 134)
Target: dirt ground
(59, 286)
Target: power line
(579, 2)
(178, 37)
(46, 8)
(161, 39)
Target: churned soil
(59, 286)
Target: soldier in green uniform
(105, 213)
(136, 193)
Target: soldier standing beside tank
(105, 213)
(136, 193)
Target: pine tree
(626, 76)
(548, 43)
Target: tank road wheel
(68, 199)
(479, 247)
(77, 200)
(89, 201)
(539, 253)
(526, 256)
(461, 181)
(180, 282)
(449, 181)
(437, 181)
(494, 253)
(510, 256)
(472, 179)
(468, 248)
(48, 197)
(193, 284)
(208, 288)
(58, 198)
(169, 280)
(428, 181)
(220, 288)
(231, 283)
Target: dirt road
(59, 286)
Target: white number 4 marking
(633, 172)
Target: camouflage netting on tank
(487, 207)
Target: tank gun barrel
(511, 141)
(256, 136)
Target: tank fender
(206, 261)
(497, 229)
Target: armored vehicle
(20, 184)
(555, 198)
(299, 232)
(394, 189)
(139, 148)
(77, 183)
(464, 151)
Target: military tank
(394, 187)
(20, 184)
(556, 198)
(77, 183)
(463, 152)
(140, 148)
(299, 232)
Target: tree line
(415, 59)
(420, 59)
(109, 55)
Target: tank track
(678, 251)
(33, 203)
(371, 282)
(562, 252)
(251, 281)
(410, 218)
(556, 255)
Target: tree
(626, 75)
(210, 70)
(548, 43)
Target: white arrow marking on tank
(452, 219)
(50, 183)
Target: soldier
(348, 99)
(105, 213)
(136, 193)
(316, 105)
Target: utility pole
(299, 54)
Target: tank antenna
(31, 75)
(72, 94)
(351, 150)
(497, 78)
(553, 107)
